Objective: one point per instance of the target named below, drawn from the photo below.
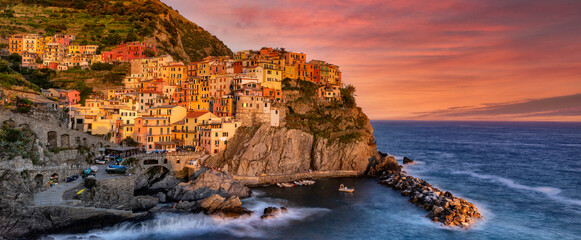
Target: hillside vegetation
(339, 121)
(107, 23)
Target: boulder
(218, 205)
(271, 212)
(407, 160)
(161, 196)
(169, 181)
(144, 203)
(186, 205)
(383, 165)
(207, 184)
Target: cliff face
(272, 150)
(319, 136)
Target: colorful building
(127, 52)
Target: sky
(510, 60)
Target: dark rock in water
(271, 212)
(382, 166)
(442, 205)
(217, 205)
(407, 160)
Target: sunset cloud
(406, 57)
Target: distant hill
(108, 23)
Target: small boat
(308, 182)
(298, 183)
(116, 169)
(279, 185)
(94, 169)
(287, 184)
(342, 188)
(100, 161)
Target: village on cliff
(166, 105)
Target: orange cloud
(406, 57)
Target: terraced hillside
(108, 23)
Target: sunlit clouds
(410, 59)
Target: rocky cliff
(18, 218)
(317, 135)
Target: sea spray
(165, 225)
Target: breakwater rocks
(442, 205)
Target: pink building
(127, 52)
(69, 96)
(63, 39)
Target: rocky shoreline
(442, 206)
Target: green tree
(4, 67)
(131, 36)
(130, 142)
(84, 91)
(14, 58)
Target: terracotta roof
(197, 114)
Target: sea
(524, 177)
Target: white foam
(550, 192)
(174, 224)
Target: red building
(238, 68)
(127, 52)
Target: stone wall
(51, 135)
(174, 162)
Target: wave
(170, 225)
(550, 192)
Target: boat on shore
(116, 169)
(288, 185)
(308, 182)
(296, 183)
(343, 188)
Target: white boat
(342, 188)
(94, 169)
(298, 183)
(308, 182)
(287, 184)
(279, 185)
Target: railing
(179, 154)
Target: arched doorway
(65, 142)
(54, 177)
(38, 183)
(52, 139)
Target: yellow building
(186, 131)
(214, 136)
(174, 73)
(41, 43)
(272, 76)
